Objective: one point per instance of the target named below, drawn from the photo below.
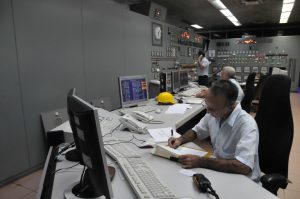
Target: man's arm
(217, 164)
(188, 66)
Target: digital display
(133, 90)
(184, 79)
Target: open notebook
(167, 152)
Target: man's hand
(174, 142)
(190, 161)
(203, 93)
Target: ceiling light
(285, 15)
(287, 7)
(288, 1)
(232, 18)
(218, 4)
(236, 23)
(196, 26)
(226, 12)
(283, 20)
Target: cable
(72, 144)
(212, 192)
(65, 168)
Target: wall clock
(156, 34)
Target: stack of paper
(162, 134)
(178, 109)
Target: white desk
(228, 186)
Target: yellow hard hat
(165, 98)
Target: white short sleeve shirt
(237, 138)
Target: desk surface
(228, 186)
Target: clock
(156, 34)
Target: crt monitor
(184, 78)
(133, 90)
(85, 125)
(175, 81)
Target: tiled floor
(26, 187)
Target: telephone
(132, 124)
(139, 115)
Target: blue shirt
(204, 71)
(237, 138)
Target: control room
(158, 99)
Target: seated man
(227, 73)
(233, 133)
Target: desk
(228, 186)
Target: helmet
(165, 98)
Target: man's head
(200, 52)
(221, 99)
(227, 72)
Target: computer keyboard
(145, 109)
(190, 92)
(121, 150)
(143, 179)
(108, 121)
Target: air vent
(251, 2)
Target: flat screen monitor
(184, 78)
(133, 90)
(175, 81)
(85, 125)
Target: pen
(171, 132)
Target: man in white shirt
(227, 73)
(233, 133)
(202, 67)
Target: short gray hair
(225, 88)
(230, 71)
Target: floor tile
(13, 191)
(292, 194)
(30, 181)
(32, 195)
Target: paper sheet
(187, 172)
(185, 150)
(162, 134)
(177, 109)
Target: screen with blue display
(133, 90)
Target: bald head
(227, 72)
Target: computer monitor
(175, 81)
(184, 78)
(85, 125)
(133, 90)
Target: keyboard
(144, 109)
(190, 92)
(144, 180)
(108, 121)
(120, 150)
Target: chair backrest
(259, 86)
(249, 93)
(275, 122)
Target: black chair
(275, 122)
(249, 93)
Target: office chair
(258, 89)
(275, 123)
(51, 120)
(249, 93)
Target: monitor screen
(85, 125)
(184, 79)
(133, 90)
(175, 81)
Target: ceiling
(262, 19)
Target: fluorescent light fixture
(283, 20)
(196, 26)
(232, 18)
(236, 23)
(288, 1)
(287, 7)
(226, 12)
(218, 4)
(285, 15)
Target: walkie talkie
(204, 184)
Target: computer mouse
(180, 101)
(158, 111)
